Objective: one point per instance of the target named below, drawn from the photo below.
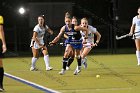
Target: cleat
(77, 71)
(33, 69)
(1, 90)
(67, 68)
(62, 72)
(49, 68)
(138, 64)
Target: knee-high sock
(83, 60)
(1, 76)
(33, 62)
(65, 61)
(46, 59)
(70, 61)
(138, 57)
(79, 61)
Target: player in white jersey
(90, 40)
(135, 28)
(37, 43)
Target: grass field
(119, 74)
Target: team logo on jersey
(70, 33)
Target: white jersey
(91, 31)
(40, 35)
(90, 39)
(40, 31)
(136, 22)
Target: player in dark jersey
(2, 50)
(72, 53)
(74, 42)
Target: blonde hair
(84, 19)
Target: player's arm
(98, 35)
(35, 38)
(50, 31)
(132, 29)
(65, 36)
(2, 36)
(79, 28)
(59, 35)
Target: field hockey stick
(123, 36)
(63, 43)
(128, 35)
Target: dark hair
(44, 20)
(67, 15)
(139, 7)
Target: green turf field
(119, 74)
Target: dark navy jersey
(72, 34)
(74, 38)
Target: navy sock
(1, 76)
(79, 61)
(70, 61)
(65, 61)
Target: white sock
(83, 60)
(33, 62)
(138, 57)
(46, 59)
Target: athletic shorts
(35, 45)
(66, 42)
(77, 46)
(87, 45)
(136, 35)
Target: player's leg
(85, 52)
(78, 57)
(70, 60)
(137, 43)
(1, 69)
(46, 59)
(1, 76)
(34, 59)
(65, 58)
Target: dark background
(110, 17)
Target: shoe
(2, 90)
(67, 68)
(62, 72)
(33, 69)
(49, 68)
(77, 71)
(138, 64)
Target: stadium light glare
(22, 10)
